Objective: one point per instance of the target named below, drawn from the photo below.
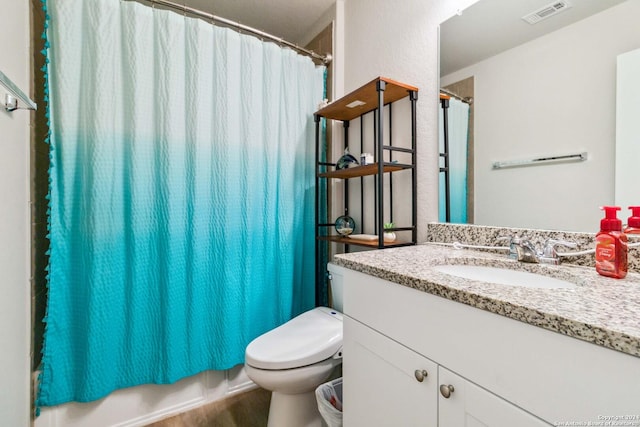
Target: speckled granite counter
(599, 310)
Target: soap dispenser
(611, 245)
(633, 223)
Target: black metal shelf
(372, 98)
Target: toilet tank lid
(311, 337)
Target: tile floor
(248, 409)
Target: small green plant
(389, 226)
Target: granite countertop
(599, 310)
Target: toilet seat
(309, 338)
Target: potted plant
(389, 235)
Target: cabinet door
(380, 384)
(468, 405)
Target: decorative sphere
(345, 225)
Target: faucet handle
(514, 242)
(549, 253)
(551, 244)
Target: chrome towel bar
(15, 98)
(580, 157)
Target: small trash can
(329, 396)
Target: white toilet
(294, 359)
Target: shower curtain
(458, 125)
(181, 195)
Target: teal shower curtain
(181, 195)
(458, 126)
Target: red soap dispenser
(633, 223)
(611, 245)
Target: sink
(503, 276)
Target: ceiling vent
(547, 11)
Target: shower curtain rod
(326, 59)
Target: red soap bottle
(633, 223)
(611, 245)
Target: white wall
(15, 318)
(554, 95)
(399, 40)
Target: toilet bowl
(292, 361)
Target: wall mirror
(540, 90)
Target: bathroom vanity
(422, 347)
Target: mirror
(628, 128)
(541, 91)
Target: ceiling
(290, 20)
(489, 27)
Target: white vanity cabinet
(503, 372)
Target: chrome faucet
(520, 249)
(526, 251)
(523, 250)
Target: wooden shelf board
(368, 94)
(358, 171)
(368, 243)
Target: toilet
(293, 359)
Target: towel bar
(580, 157)
(15, 98)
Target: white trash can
(329, 396)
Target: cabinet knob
(420, 375)
(446, 390)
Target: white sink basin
(503, 276)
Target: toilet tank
(336, 286)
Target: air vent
(547, 11)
